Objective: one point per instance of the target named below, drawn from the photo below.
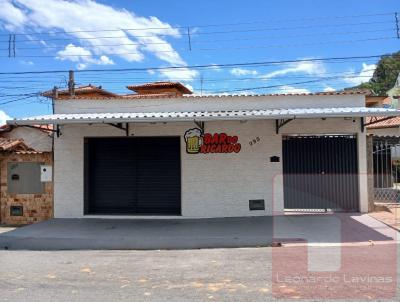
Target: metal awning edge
(215, 116)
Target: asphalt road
(185, 275)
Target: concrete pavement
(139, 234)
(119, 234)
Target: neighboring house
(378, 101)
(394, 93)
(26, 186)
(379, 126)
(87, 91)
(162, 152)
(37, 137)
(382, 127)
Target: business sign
(199, 142)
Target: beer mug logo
(194, 140)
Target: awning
(135, 117)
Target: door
(125, 176)
(320, 172)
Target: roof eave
(200, 118)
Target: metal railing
(386, 159)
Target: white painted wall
(385, 131)
(213, 185)
(207, 103)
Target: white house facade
(211, 156)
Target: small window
(16, 211)
(24, 178)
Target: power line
(21, 94)
(278, 85)
(265, 63)
(319, 79)
(205, 25)
(214, 49)
(215, 32)
(207, 49)
(16, 100)
(209, 41)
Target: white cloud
(190, 87)
(3, 117)
(329, 89)
(290, 89)
(181, 74)
(82, 56)
(134, 37)
(13, 17)
(241, 72)
(363, 76)
(215, 67)
(73, 53)
(29, 63)
(306, 67)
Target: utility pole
(71, 83)
(9, 46)
(55, 95)
(189, 39)
(397, 25)
(201, 84)
(14, 45)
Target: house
(164, 152)
(387, 126)
(89, 91)
(36, 137)
(26, 196)
(382, 126)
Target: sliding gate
(386, 160)
(320, 173)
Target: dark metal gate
(320, 173)
(386, 159)
(135, 175)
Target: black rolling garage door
(138, 175)
(320, 172)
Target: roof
(11, 144)
(205, 115)
(389, 123)
(157, 85)
(45, 128)
(216, 96)
(365, 91)
(87, 89)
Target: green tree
(385, 74)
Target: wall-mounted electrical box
(24, 178)
(256, 205)
(46, 173)
(274, 159)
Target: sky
(86, 35)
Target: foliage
(385, 74)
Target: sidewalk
(391, 217)
(118, 234)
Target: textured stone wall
(36, 207)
